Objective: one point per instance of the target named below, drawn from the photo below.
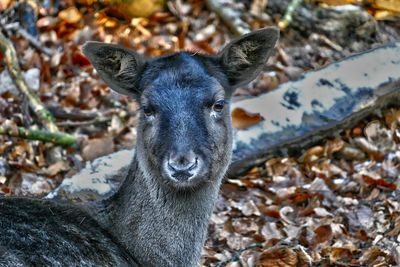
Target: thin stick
(287, 18)
(11, 60)
(34, 42)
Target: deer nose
(182, 161)
(182, 165)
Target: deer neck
(159, 226)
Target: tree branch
(11, 60)
(57, 138)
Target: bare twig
(11, 60)
(32, 40)
(287, 18)
(95, 121)
(82, 115)
(229, 16)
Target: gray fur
(160, 214)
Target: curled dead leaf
(56, 168)
(368, 147)
(339, 253)
(352, 153)
(98, 147)
(378, 182)
(333, 146)
(371, 255)
(322, 233)
(242, 119)
(282, 257)
(70, 15)
(312, 154)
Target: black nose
(182, 161)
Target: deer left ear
(243, 59)
(119, 67)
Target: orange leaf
(379, 182)
(241, 119)
(322, 233)
(282, 257)
(80, 60)
(70, 15)
(391, 5)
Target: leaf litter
(336, 204)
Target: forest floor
(337, 204)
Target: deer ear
(119, 67)
(243, 59)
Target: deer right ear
(244, 58)
(119, 67)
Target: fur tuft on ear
(119, 67)
(243, 59)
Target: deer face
(184, 131)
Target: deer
(160, 214)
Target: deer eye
(148, 111)
(219, 106)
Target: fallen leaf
(391, 5)
(70, 15)
(322, 233)
(98, 147)
(56, 168)
(242, 119)
(371, 254)
(378, 182)
(138, 8)
(281, 257)
(338, 253)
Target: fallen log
(321, 103)
(295, 115)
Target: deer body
(160, 214)
(161, 236)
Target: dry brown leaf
(378, 182)
(70, 15)
(391, 5)
(4, 4)
(242, 119)
(368, 147)
(396, 228)
(56, 168)
(371, 254)
(338, 253)
(98, 147)
(312, 154)
(322, 233)
(352, 153)
(281, 257)
(339, 2)
(333, 146)
(138, 8)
